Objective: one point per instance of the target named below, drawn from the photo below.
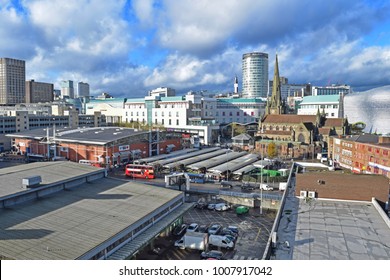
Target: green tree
(272, 150)
(358, 127)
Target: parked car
(226, 231)
(203, 228)
(265, 187)
(233, 229)
(242, 210)
(212, 254)
(231, 238)
(180, 230)
(192, 227)
(214, 229)
(200, 205)
(221, 207)
(248, 186)
(225, 184)
(211, 206)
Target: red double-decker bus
(139, 171)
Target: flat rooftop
(51, 172)
(70, 223)
(331, 230)
(95, 135)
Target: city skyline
(128, 48)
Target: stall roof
(235, 164)
(185, 156)
(216, 160)
(163, 156)
(195, 159)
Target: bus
(139, 171)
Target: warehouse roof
(89, 135)
(72, 222)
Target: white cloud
(144, 11)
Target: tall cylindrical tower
(254, 75)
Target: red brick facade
(109, 153)
(360, 157)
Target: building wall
(12, 81)
(343, 186)
(39, 92)
(106, 154)
(370, 158)
(82, 89)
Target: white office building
(332, 105)
(67, 89)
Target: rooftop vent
(30, 182)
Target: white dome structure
(371, 107)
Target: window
(177, 122)
(252, 113)
(238, 114)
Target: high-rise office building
(12, 81)
(67, 89)
(82, 89)
(39, 92)
(255, 75)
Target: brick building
(366, 153)
(344, 186)
(103, 145)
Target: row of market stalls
(212, 163)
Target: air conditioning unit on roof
(303, 194)
(312, 194)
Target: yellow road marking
(258, 234)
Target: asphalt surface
(254, 231)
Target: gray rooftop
(331, 230)
(72, 222)
(50, 172)
(96, 135)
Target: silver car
(214, 229)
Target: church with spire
(275, 106)
(294, 135)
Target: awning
(125, 154)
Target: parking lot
(250, 245)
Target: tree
(272, 150)
(358, 127)
(237, 129)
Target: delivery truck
(193, 240)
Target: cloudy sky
(127, 48)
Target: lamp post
(227, 166)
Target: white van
(220, 241)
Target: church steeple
(276, 96)
(275, 107)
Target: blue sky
(127, 48)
